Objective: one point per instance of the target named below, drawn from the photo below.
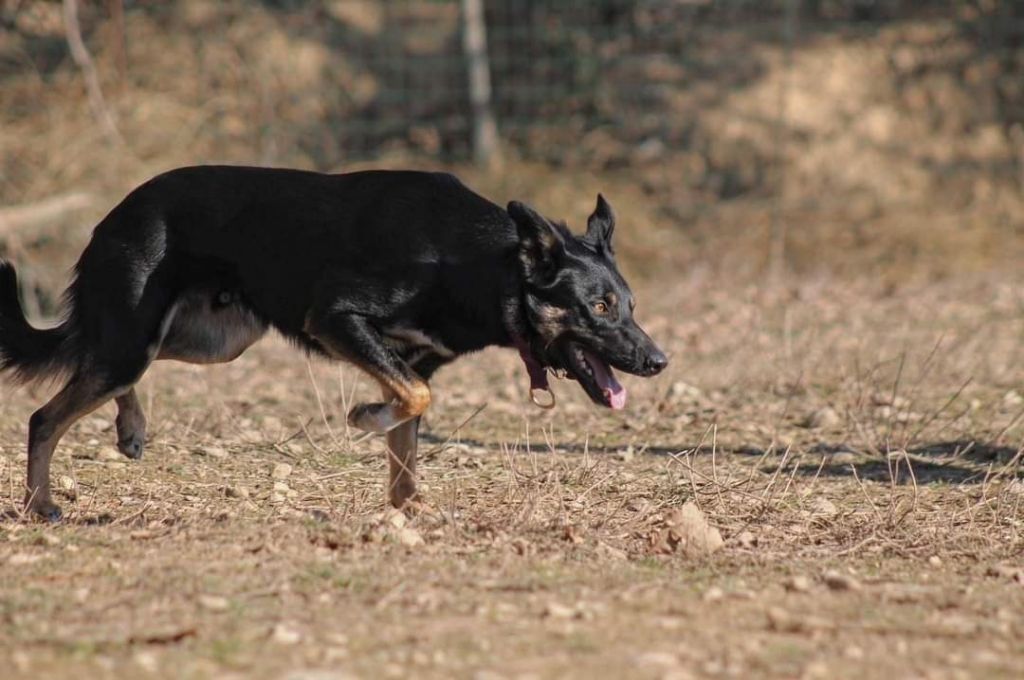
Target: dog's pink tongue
(615, 392)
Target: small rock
(285, 634)
(554, 610)
(746, 539)
(1013, 398)
(681, 391)
(854, 652)
(713, 594)
(798, 584)
(842, 458)
(658, 659)
(824, 417)
(395, 518)
(146, 660)
(281, 487)
(611, 552)
(638, 504)
(237, 492)
(935, 561)
(108, 454)
(781, 620)
(213, 603)
(21, 559)
(281, 471)
(687, 531)
(218, 452)
(814, 670)
(839, 581)
(409, 537)
(889, 399)
(68, 486)
(822, 507)
(21, 661)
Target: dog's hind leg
(353, 338)
(123, 314)
(130, 424)
(84, 393)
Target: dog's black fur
(398, 272)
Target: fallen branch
(26, 216)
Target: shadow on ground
(950, 462)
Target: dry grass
(858, 451)
(857, 445)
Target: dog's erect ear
(541, 243)
(601, 224)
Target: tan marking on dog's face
(549, 321)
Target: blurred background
(765, 141)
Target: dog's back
(270, 235)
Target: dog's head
(579, 306)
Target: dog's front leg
(402, 443)
(353, 338)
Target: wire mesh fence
(575, 66)
(866, 102)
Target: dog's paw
(45, 509)
(372, 418)
(403, 494)
(131, 436)
(132, 445)
(417, 507)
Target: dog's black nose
(655, 362)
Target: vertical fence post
(474, 46)
(80, 55)
(778, 228)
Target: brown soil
(858, 452)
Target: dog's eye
(601, 308)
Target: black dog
(398, 273)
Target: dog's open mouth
(594, 375)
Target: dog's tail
(28, 353)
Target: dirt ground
(825, 483)
(856, 448)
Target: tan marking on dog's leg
(354, 340)
(46, 426)
(410, 401)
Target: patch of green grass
(226, 651)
